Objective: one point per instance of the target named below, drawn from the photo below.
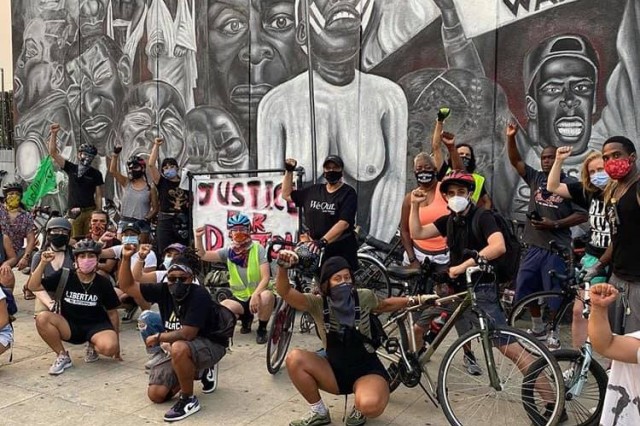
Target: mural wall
(241, 84)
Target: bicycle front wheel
(279, 337)
(584, 395)
(521, 398)
(370, 275)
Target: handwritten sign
(260, 198)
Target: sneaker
(62, 362)
(355, 418)
(553, 341)
(471, 364)
(548, 410)
(261, 336)
(183, 408)
(209, 379)
(312, 419)
(155, 359)
(540, 335)
(90, 354)
(129, 312)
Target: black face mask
(469, 164)
(180, 290)
(424, 178)
(58, 240)
(333, 176)
(136, 174)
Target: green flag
(43, 184)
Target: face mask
(179, 290)
(87, 265)
(97, 229)
(457, 204)
(425, 177)
(170, 173)
(599, 179)
(58, 240)
(343, 303)
(618, 168)
(130, 239)
(136, 174)
(86, 159)
(466, 162)
(240, 238)
(333, 176)
(12, 201)
(167, 262)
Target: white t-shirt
(622, 400)
(151, 261)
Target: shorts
(347, 377)
(204, 354)
(6, 336)
(83, 333)
(143, 225)
(625, 312)
(440, 259)
(245, 307)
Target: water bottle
(435, 326)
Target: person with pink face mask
(249, 275)
(84, 309)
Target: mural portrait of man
(361, 117)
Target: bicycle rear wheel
(584, 396)
(549, 302)
(523, 398)
(280, 333)
(370, 275)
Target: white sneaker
(90, 354)
(155, 359)
(540, 335)
(209, 379)
(62, 362)
(553, 340)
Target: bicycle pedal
(392, 345)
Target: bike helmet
(238, 220)
(88, 149)
(308, 260)
(12, 187)
(136, 161)
(57, 223)
(456, 177)
(87, 246)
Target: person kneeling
(84, 309)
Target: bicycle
(537, 395)
(282, 321)
(585, 379)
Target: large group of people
(86, 269)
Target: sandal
(27, 294)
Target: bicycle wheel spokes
(373, 277)
(552, 308)
(521, 398)
(279, 337)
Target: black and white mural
(241, 84)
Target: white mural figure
(360, 117)
(132, 27)
(171, 48)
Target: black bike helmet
(87, 246)
(135, 161)
(88, 149)
(57, 223)
(12, 187)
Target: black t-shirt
(600, 236)
(323, 209)
(83, 304)
(82, 189)
(196, 309)
(172, 198)
(624, 220)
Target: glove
(593, 271)
(317, 245)
(443, 113)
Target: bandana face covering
(239, 250)
(98, 229)
(343, 304)
(618, 168)
(12, 202)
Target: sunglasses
(175, 279)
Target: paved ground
(112, 392)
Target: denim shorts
(6, 336)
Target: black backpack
(12, 307)
(506, 266)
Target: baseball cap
(180, 248)
(335, 160)
(131, 226)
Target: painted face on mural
(38, 69)
(92, 14)
(100, 77)
(336, 27)
(153, 109)
(564, 97)
(252, 49)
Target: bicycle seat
(402, 272)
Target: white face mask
(457, 204)
(167, 262)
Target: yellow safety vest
(240, 290)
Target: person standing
(85, 182)
(174, 201)
(329, 209)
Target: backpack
(506, 266)
(12, 307)
(225, 324)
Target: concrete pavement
(112, 392)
